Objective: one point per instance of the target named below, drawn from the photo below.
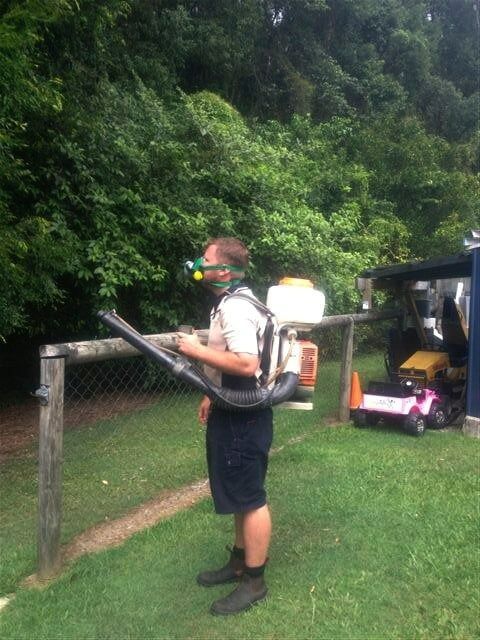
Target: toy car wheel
(414, 424)
(437, 416)
(372, 419)
(360, 419)
(364, 419)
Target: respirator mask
(195, 270)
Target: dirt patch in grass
(113, 533)
(18, 428)
(19, 422)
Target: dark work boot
(249, 591)
(231, 572)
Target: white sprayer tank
(295, 302)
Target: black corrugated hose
(181, 368)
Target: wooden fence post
(346, 370)
(52, 371)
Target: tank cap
(297, 282)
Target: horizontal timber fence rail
(57, 359)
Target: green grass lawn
(375, 536)
(375, 532)
(117, 464)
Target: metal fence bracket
(43, 394)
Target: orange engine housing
(308, 363)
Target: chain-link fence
(99, 391)
(105, 390)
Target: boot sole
(261, 598)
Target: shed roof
(455, 266)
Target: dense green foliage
(329, 135)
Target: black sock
(255, 572)
(238, 552)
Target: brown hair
(231, 250)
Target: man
(238, 441)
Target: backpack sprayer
(298, 307)
(292, 306)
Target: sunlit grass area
(375, 536)
(113, 465)
(370, 526)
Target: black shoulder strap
(265, 359)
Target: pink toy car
(416, 407)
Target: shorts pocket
(233, 459)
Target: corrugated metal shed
(460, 265)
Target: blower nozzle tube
(181, 368)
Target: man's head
(225, 252)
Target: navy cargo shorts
(238, 443)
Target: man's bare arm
(238, 364)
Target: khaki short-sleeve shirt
(238, 326)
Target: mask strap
(224, 285)
(218, 267)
